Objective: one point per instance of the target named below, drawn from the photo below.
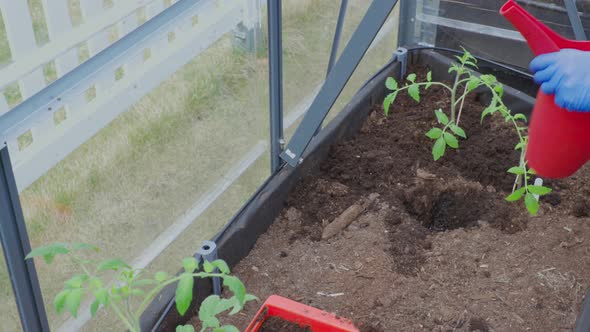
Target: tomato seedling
(132, 284)
(449, 132)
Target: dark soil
(440, 249)
(276, 324)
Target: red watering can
(559, 140)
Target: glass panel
(308, 31)
(8, 310)
(379, 53)
(167, 173)
(478, 26)
(312, 67)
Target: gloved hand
(566, 74)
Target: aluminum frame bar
(575, 21)
(351, 56)
(15, 245)
(275, 62)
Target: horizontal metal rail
(470, 27)
(52, 143)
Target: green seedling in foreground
(448, 132)
(132, 285)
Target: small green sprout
(133, 283)
(448, 131)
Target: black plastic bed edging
(236, 240)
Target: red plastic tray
(315, 319)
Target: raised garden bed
(437, 247)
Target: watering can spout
(538, 36)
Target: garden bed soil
(439, 249)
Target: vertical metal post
(275, 59)
(407, 23)
(337, 33)
(209, 253)
(16, 246)
(575, 21)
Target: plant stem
(462, 98)
(122, 317)
(522, 161)
(426, 83)
(453, 96)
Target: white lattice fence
(58, 127)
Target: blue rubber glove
(566, 74)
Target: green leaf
(236, 286)
(489, 79)
(76, 281)
(519, 116)
(516, 195)
(226, 304)
(49, 252)
(429, 76)
(539, 190)
(532, 171)
(184, 293)
(453, 68)
(441, 116)
(414, 92)
(434, 133)
(451, 140)
(531, 204)
(208, 267)
(102, 295)
(499, 90)
(236, 307)
(94, 308)
(221, 265)
(391, 83)
(411, 77)
(438, 150)
(488, 111)
(190, 264)
(227, 328)
(73, 301)
(161, 276)
(208, 311)
(60, 300)
(112, 264)
(84, 246)
(458, 130)
(185, 328)
(388, 101)
(472, 83)
(516, 170)
(519, 146)
(95, 282)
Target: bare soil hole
(442, 205)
